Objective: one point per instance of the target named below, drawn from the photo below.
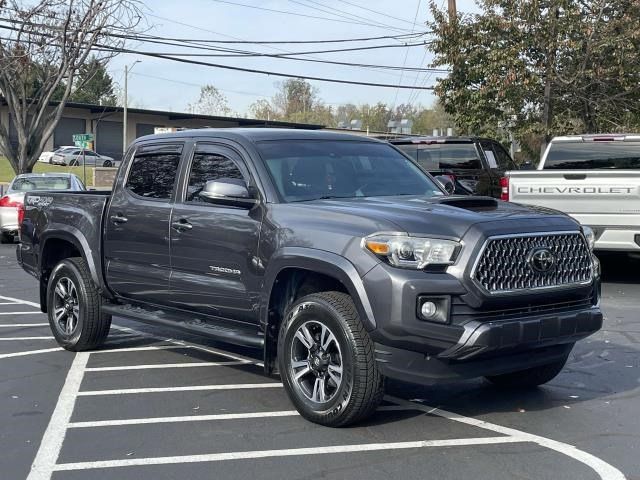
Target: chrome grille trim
(498, 271)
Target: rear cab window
(153, 171)
(444, 156)
(29, 184)
(587, 155)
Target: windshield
(593, 155)
(28, 184)
(444, 156)
(314, 169)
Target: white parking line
(293, 452)
(207, 418)
(32, 352)
(51, 444)
(9, 303)
(22, 325)
(20, 301)
(162, 366)
(21, 313)
(191, 388)
(8, 339)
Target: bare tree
(210, 102)
(43, 45)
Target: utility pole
(453, 11)
(127, 69)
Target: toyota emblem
(542, 260)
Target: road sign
(83, 140)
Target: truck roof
(598, 137)
(259, 134)
(433, 139)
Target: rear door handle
(181, 225)
(118, 219)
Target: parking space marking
(23, 325)
(30, 352)
(21, 313)
(47, 456)
(20, 301)
(602, 468)
(191, 388)
(170, 365)
(8, 339)
(252, 455)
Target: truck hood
(450, 216)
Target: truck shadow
(620, 267)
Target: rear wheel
(6, 238)
(107, 163)
(529, 378)
(326, 360)
(73, 305)
(74, 163)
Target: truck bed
(76, 216)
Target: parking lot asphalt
(155, 404)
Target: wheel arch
(295, 272)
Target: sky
(165, 85)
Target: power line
(286, 12)
(406, 54)
(376, 11)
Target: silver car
(74, 157)
(12, 203)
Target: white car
(12, 203)
(75, 156)
(45, 157)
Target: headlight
(590, 236)
(413, 252)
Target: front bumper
(482, 337)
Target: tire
(6, 238)
(344, 398)
(74, 163)
(529, 378)
(107, 163)
(82, 326)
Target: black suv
(475, 165)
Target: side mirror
(446, 183)
(227, 191)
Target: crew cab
(336, 255)
(474, 165)
(593, 178)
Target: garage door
(109, 139)
(66, 128)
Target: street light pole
(127, 69)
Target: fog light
(433, 308)
(429, 310)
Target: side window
(210, 164)
(504, 160)
(153, 171)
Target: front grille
(505, 264)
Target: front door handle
(117, 219)
(181, 225)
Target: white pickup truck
(593, 178)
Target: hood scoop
(475, 204)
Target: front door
(136, 246)
(214, 247)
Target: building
(106, 123)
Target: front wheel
(529, 378)
(73, 306)
(107, 163)
(326, 360)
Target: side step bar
(226, 332)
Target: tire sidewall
(317, 310)
(67, 269)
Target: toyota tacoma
(335, 254)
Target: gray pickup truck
(334, 254)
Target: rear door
(136, 244)
(214, 247)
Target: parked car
(45, 157)
(12, 203)
(593, 178)
(76, 156)
(334, 254)
(474, 165)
